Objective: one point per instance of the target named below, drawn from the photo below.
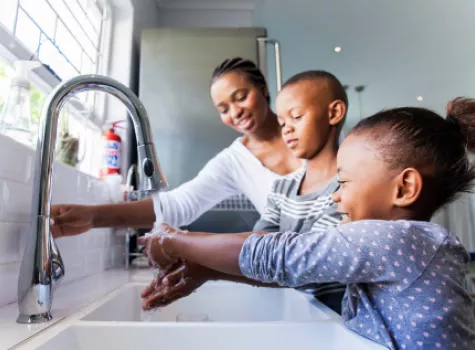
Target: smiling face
(368, 188)
(240, 103)
(307, 112)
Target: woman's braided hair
(246, 67)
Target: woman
(248, 166)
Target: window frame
(92, 118)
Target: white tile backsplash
(19, 155)
(10, 240)
(15, 201)
(83, 255)
(9, 275)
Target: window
(89, 136)
(63, 34)
(68, 37)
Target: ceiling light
(337, 49)
(420, 98)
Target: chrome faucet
(42, 267)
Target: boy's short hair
(337, 89)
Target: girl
(249, 165)
(404, 274)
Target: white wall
(133, 16)
(196, 18)
(146, 15)
(129, 18)
(83, 255)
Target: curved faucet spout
(42, 266)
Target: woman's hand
(70, 220)
(180, 282)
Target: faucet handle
(57, 263)
(151, 177)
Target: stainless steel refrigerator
(175, 72)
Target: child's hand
(179, 283)
(156, 243)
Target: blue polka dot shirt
(404, 278)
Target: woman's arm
(139, 214)
(71, 219)
(178, 207)
(213, 184)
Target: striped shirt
(287, 211)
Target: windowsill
(30, 154)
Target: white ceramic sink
(216, 301)
(240, 317)
(318, 335)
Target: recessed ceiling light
(420, 98)
(337, 49)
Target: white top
(234, 170)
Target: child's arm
(360, 252)
(219, 252)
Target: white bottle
(15, 120)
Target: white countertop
(68, 298)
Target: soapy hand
(156, 242)
(180, 281)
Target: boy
(311, 108)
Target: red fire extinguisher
(112, 149)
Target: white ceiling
(398, 49)
(209, 4)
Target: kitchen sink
(318, 335)
(219, 315)
(214, 302)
